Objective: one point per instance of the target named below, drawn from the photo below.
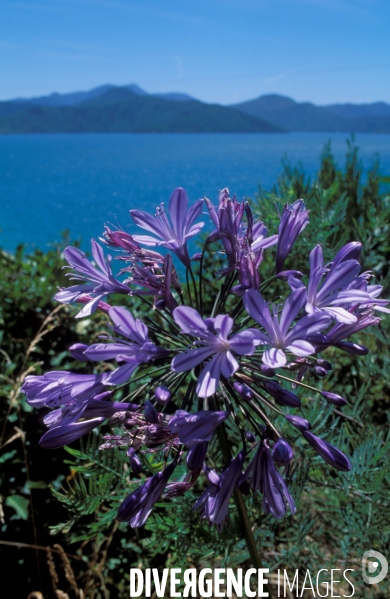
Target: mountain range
(129, 108)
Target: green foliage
(339, 516)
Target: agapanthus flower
(138, 350)
(277, 331)
(334, 293)
(74, 396)
(213, 335)
(172, 235)
(97, 281)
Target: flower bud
(135, 462)
(281, 396)
(267, 371)
(160, 304)
(333, 398)
(352, 348)
(151, 414)
(320, 371)
(282, 452)
(77, 352)
(250, 437)
(300, 423)
(243, 390)
(213, 477)
(162, 395)
(328, 452)
(324, 364)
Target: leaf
(19, 504)
(7, 456)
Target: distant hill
(73, 98)
(110, 108)
(119, 109)
(305, 116)
(376, 109)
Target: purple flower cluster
(221, 361)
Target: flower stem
(246, 527)
(239, 501)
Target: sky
(224, 51)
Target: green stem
(246, 527)
(239, 501)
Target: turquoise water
(49, 183)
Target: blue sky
(224, 51)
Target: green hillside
(120, 110)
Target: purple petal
(308, 325)
(223, 324)
(98, 256)
(189, 359)
(258, 309)
(340, 314)
(208, 381)
(62, 435)
(301, 348)
(108, 351)
(244, 343)
(188, 319)
(265, 243)
(178, 205)
(351, 251)
(192, 214)
(274, 358)
(122, 374)
(229, 364)
(300, 423)
(293, 305)
(90, 307)
(147, 240)
(342, 275)
(193, 231)
(333, 398)
(127, 325)
(146, 221)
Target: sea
(79, 182)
